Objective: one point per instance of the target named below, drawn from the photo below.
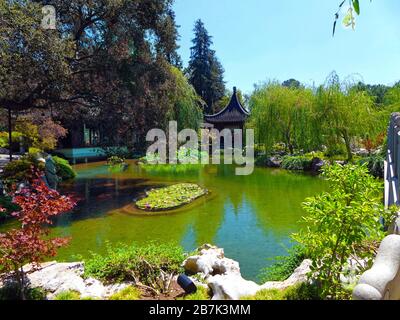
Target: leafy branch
(349, 19)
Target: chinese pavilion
(233, 116)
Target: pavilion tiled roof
(232, 113)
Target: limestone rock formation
(55, 278)
(382, 281)
(224, 278)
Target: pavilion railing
(392, 167)
(382, 281)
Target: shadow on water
(251, 217)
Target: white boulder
(224, 278)
(382, 281)
(55, 278)
(210, 261)
(231, 287)
(298, 276)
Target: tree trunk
(348, 147)
(19, 273)
(289, 144)
(9, 134)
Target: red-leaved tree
(30, 243)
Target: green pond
(251, 217)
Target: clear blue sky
(258, 40)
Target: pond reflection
(251, 217)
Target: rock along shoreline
(208, 268)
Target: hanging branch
(354, 5)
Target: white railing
(392, 167)
(382, 281)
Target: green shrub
(6, 203)
(283, 266)
(201, 294)
(262, 160)
(339, 222)
(115, 160)
(296, 163)
(302, 291)
(11, 292)
(336, 150)
(375, 165)
(146, 264)
(64, 169)
(15, 137)
(279, 148)
(259, 150)
(68, 295)
(129, 293)
(34, 151)
(20, 170)
(267, 294)
(315, 154)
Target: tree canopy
(107, 65)
(335, 116)
(283, 114)
(344, 113)
(205, 72)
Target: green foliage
(11, 292)
(335, 150)
(115, 160)
(39, 132)
(267, 294)
(296, 163)
(170, 197)
(205, 71)
(283, 114)
(375, 165)
(341, 221)
(284, 266)
(262, 160)
(186, 103)
(344, 113)
(349, 19)
(68, 295)
(20, 170)
(301, 291)
(200, 294)
(376, 91)
(128, 293)
(64, 169)
(145, 264)
(336, 115)
(6, 203)
(34, 151)
(15, 137)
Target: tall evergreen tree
(206, 73)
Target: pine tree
(206, 73)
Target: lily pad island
(170, 197)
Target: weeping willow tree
(345, 113)
(284, 114)
(186, 104)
